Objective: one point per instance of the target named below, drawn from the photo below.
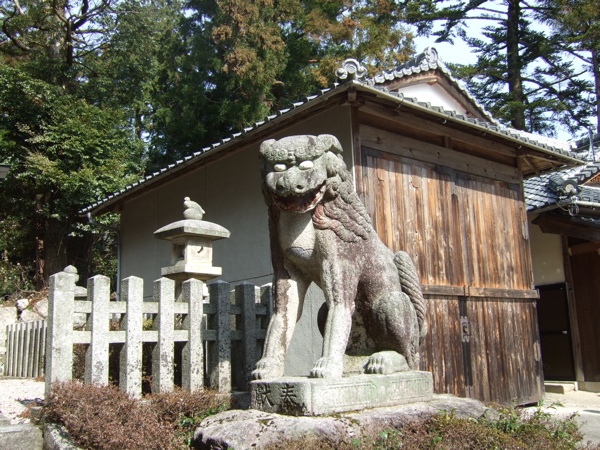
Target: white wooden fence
(25, 349)
(220, 334)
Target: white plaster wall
(229, 190)
(547, 257)
(434, 94)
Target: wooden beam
(576, 339)
(485, 292)
(586, 247)
(409, 118)
(423, 151)
(567, 226)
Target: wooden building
(564, 209)
(441, 180)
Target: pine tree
(521, 74)
(577, 24)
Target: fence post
(59, 334)
(39, 356)
(245, 296)
(163, 354)
(220, 378)
(130, 373)
(10, 350)
(193, 351)
(96, 357)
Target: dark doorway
(555, 333)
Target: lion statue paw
(386, 362)
(267, 368)
(327, 368)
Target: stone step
(21, 437)
(560, 387)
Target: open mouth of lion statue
(300, 203)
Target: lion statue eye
(280, 167)
(304, 165)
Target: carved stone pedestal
(317, 396)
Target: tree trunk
(38, 277)
(596, 69)
(513, 59)
(55, 248)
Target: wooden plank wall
(467, 235)
(437, 213)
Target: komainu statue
(320, 232)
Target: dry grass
(446, 431)
(106, 418)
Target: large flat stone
(21, 437)
(253, 429)
(318, 396)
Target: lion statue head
(307, 173)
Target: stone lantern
(191, 245)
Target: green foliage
(576, 23)
(13, 278)
(93, 94)
(64, 154)
(236, 62)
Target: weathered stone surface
(29, 315)
(8, 316)
(80, 292)
(56, 437)
(191, 245)
(41, 308)
(22, 304)
(317, 396)
(321, 233)
(21, 437)
(254, 429)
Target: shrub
(446, 431)
(106, 418)
(14, 279)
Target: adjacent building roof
(352, 76)
(575, 190)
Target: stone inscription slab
(318, 396)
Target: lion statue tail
(411, 286)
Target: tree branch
(12, 38)
(16, 2)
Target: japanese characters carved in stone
(320, 232)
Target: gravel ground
(585, 404)
(15, 393)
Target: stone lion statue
(321, 233)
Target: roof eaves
(516, 136)
(218, 146)
(352, 71)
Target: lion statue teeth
(321, 233)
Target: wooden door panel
(462, 230)
(585, 269)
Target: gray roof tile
(418, 63)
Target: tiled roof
(353, 73)
(424, 62)
(566, 187)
